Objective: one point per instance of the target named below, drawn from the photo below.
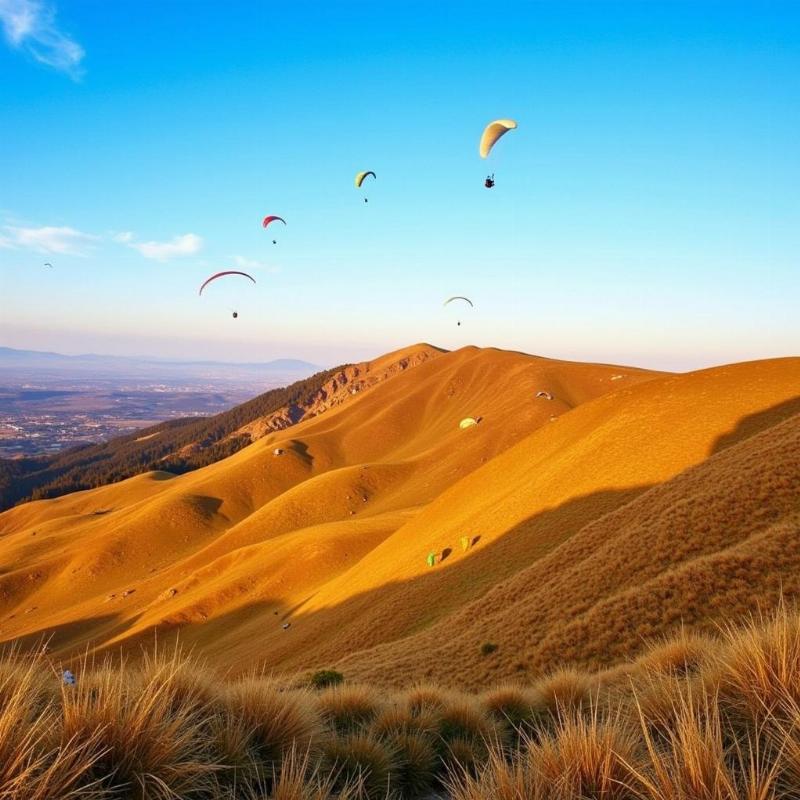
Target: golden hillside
(333, 536)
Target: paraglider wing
(48, 264)
(221, 274)
(361, 175)
(272, 218)
(458, 297)
(492, 132)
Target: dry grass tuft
(586, 757)
(299, 779)
(562, 693)
(757, 666)
(275, 721)
(499, 778)
(683, 654)
(348, 709)
(511, 708)
(417, 763)
(137, 738)
(702, 760)
(361, 761)
(397, 718)
(427, 698)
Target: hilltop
(183, 445)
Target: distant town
(37, 421)
(50, 402)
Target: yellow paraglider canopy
(361, 175)
(492, 132)
(467, 422)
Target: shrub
(326, 677)
(487, 648)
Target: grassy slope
(256, 534)
(252, 541)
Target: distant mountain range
(33, 359)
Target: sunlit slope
(531, 498)
(719, 541)
(257, 535)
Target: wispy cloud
(253, 265)
(186, 245)
(30, 25)
(48, 239)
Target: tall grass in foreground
(692, 719)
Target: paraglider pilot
(489, 182)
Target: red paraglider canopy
(272, 218)
(220, 274)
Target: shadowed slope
(716, 542)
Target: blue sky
(646, 209)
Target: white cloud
(186, 245)
(48, 239)
(124, 237)
(251, 264)
(30, 25)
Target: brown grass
(728, 728)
